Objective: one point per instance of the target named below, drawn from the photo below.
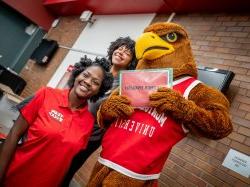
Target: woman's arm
(10, 144)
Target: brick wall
(65, 34)
(219, 41)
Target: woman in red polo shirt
(57, 125)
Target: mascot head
(165, 45)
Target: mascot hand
(172, 103)
(114, 107)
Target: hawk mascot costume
(139, 140)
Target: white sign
(238, 162)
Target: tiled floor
(73, 183)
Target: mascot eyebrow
(189, 107)
(165, 30)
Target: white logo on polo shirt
(56, 115)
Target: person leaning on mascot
(132, 158)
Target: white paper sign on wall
(238, 162)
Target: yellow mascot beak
(150, 46)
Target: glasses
(125, 50)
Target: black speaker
(45, 51)
(216, 78)
(12, 80)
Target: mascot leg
(115, 179)
(102, 176)
(98, 175)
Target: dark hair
(85, 63)
(129, 43)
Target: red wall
(75, 7)
(43, 12)
(33, 10)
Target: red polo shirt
(55, 135)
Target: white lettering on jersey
(135, 127)
(56, 115)
(141, 128)
(161, 118)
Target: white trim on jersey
(127, 172)
(190, 87)
(185, 95)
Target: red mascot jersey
(139, 146)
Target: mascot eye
(171, 37)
